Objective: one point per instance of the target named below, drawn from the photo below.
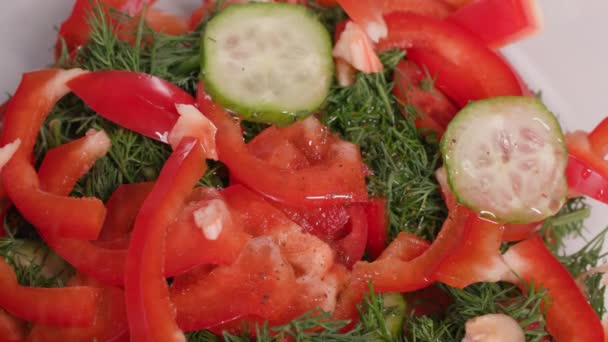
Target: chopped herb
(403, 162)
(566, 223)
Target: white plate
(568, 60)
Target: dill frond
(480, 299)
(568, 222)
(403, 162)
(34, 263)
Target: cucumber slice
(506, 158)
(394, 313)
(270, 62)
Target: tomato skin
(452, 54)
(151, 113)
(336, 179)
(499, 22)
(149, 309)
(532, 261)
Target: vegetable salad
(295, 170)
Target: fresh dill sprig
(480, 299)
(402, 161)
(34, 263)
(567, 222)
(316, 325)
(584, 259)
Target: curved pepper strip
(337, 181)
(140, 102)
(478, 259)
(11, 328)
(60, 177)
(587, 171)
(395, 275)
(149, 308)
(110, 322)
(105, 260)
(453, 55)
(79, 218)
(69, 306)
(568, 314)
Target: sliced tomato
(110, 322)
(377, 226)
(499, 22)
(369, 13)
(151, 112)
(587, 172)
(534, 263)
(149, 309)
(416, 88)
(465, 69)
(328, 223)
(479, 257)
(260, 283)
(337, 177)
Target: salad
(302, 170)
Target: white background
(567, 60)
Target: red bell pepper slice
(140, 102)
(587, 172)
(434, 109)
(123, 206)
(61, 181)
(110, 320)
(351, 248)
(568, 314)
(499, 22)
(149, 308)
(598, 138)
(478, 259)
(56, 306)
(79, 218)
(11, 327)
(260, 282)
(167, 23)
(518, 232)
(453, 55)
(395, 275)
(377, 226)
(337, 179)
(368, 13)
(75, 29)
(405, 247)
